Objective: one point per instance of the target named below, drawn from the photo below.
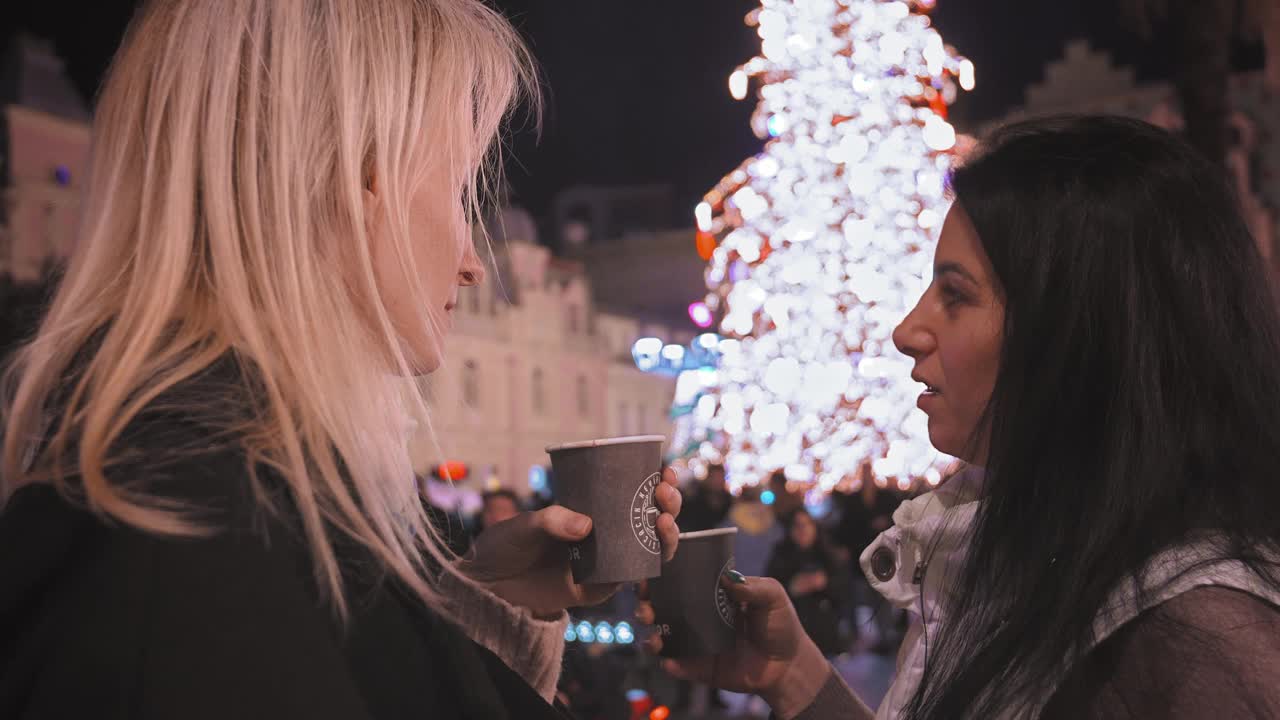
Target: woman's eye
(951, 295)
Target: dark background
(638, 90)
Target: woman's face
(954, 336)
(445, 258)
(804, 533)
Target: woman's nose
(911, 336)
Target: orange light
(452, 470)
(938, 105)
(660, 713)
(706, 245)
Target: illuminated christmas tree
(818, 246)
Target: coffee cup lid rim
(714, 532)
(606, 441)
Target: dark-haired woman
(810, 572)
(1101, 343)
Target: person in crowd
(864, 514)
(497, 506)
(1101, 343)
(785, 502)
(707, 506)
(758, 531)
(209, 505)
(814, 580)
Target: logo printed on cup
(644, 514)
(728, 611)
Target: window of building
(539, 392)
(575, 319)
(471, 384)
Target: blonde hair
(233, 142)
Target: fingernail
(736, 577)
(579, 525)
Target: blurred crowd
(812, 550)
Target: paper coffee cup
(692, 612)
(612, 481)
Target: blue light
(537, 478)
(585, 633)
(623, 634)
(604, 633)
(818, 504)
(647, 353)
(636, 695)
(767, 497)
(570, 635)
(777, 125)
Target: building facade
(637, 248)
(44, 157)
(532, 362)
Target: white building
(531, 362)
(44, 154)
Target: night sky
(623, 112)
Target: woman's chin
(944, 443)
(421, 361)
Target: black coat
(101, 621)
(820, 611)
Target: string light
(824, 242)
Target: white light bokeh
(825, 242)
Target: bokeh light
(824, 241)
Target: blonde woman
(208, 505)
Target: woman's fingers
(669, 477)
(562, 523)
(644, 614)
(669, 534)
(652, 644)
(760, 594)
(669, 498)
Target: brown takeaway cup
(692, 612)
(612, 481)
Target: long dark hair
(1137, 402)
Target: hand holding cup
(523, 560)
